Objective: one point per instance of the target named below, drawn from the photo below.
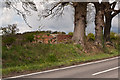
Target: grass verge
(38, 57)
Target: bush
(48, 34)
(55, 32)
(29, 38)
(91, 37)
(8, 40)
(70, 33)
(113, 36)
(79, 46)
(63, 33)
(10, 29)
(52, 58)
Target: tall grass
(30, 57)
(36, 53)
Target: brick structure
(44, 38)
(63, 38)
(52, 38)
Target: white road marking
(95, 62)
(105, 71)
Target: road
(103, 69)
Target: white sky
(64, 23)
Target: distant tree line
(9, 29)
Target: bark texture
(79, 23)
(108, 20)
(107, 27)
(99, 23)
(110, 13)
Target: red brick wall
(52, 38)
(62, 38)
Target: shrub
(70, 33)
(63, 33)
(29, 38)
(48, 34)
(55, 32)
(113, 36)
(91, 37)
(79, 46)
(8, 40)
(10, 29)
(52, 58)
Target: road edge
(57, 69)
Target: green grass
(38, 57)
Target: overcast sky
(64, 23)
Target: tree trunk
(80, 23)
(109, 16)
(107, 27)
(99, 23)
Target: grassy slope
(37, 57)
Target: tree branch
(115, 13)
(113, 4)
(25, 5)
(22, 14)
(58, 7)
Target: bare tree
(79, 22)
(110, 13)
(80, 11)
(9, 30)
(99, 22)
(57, 8)
(26, 5)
